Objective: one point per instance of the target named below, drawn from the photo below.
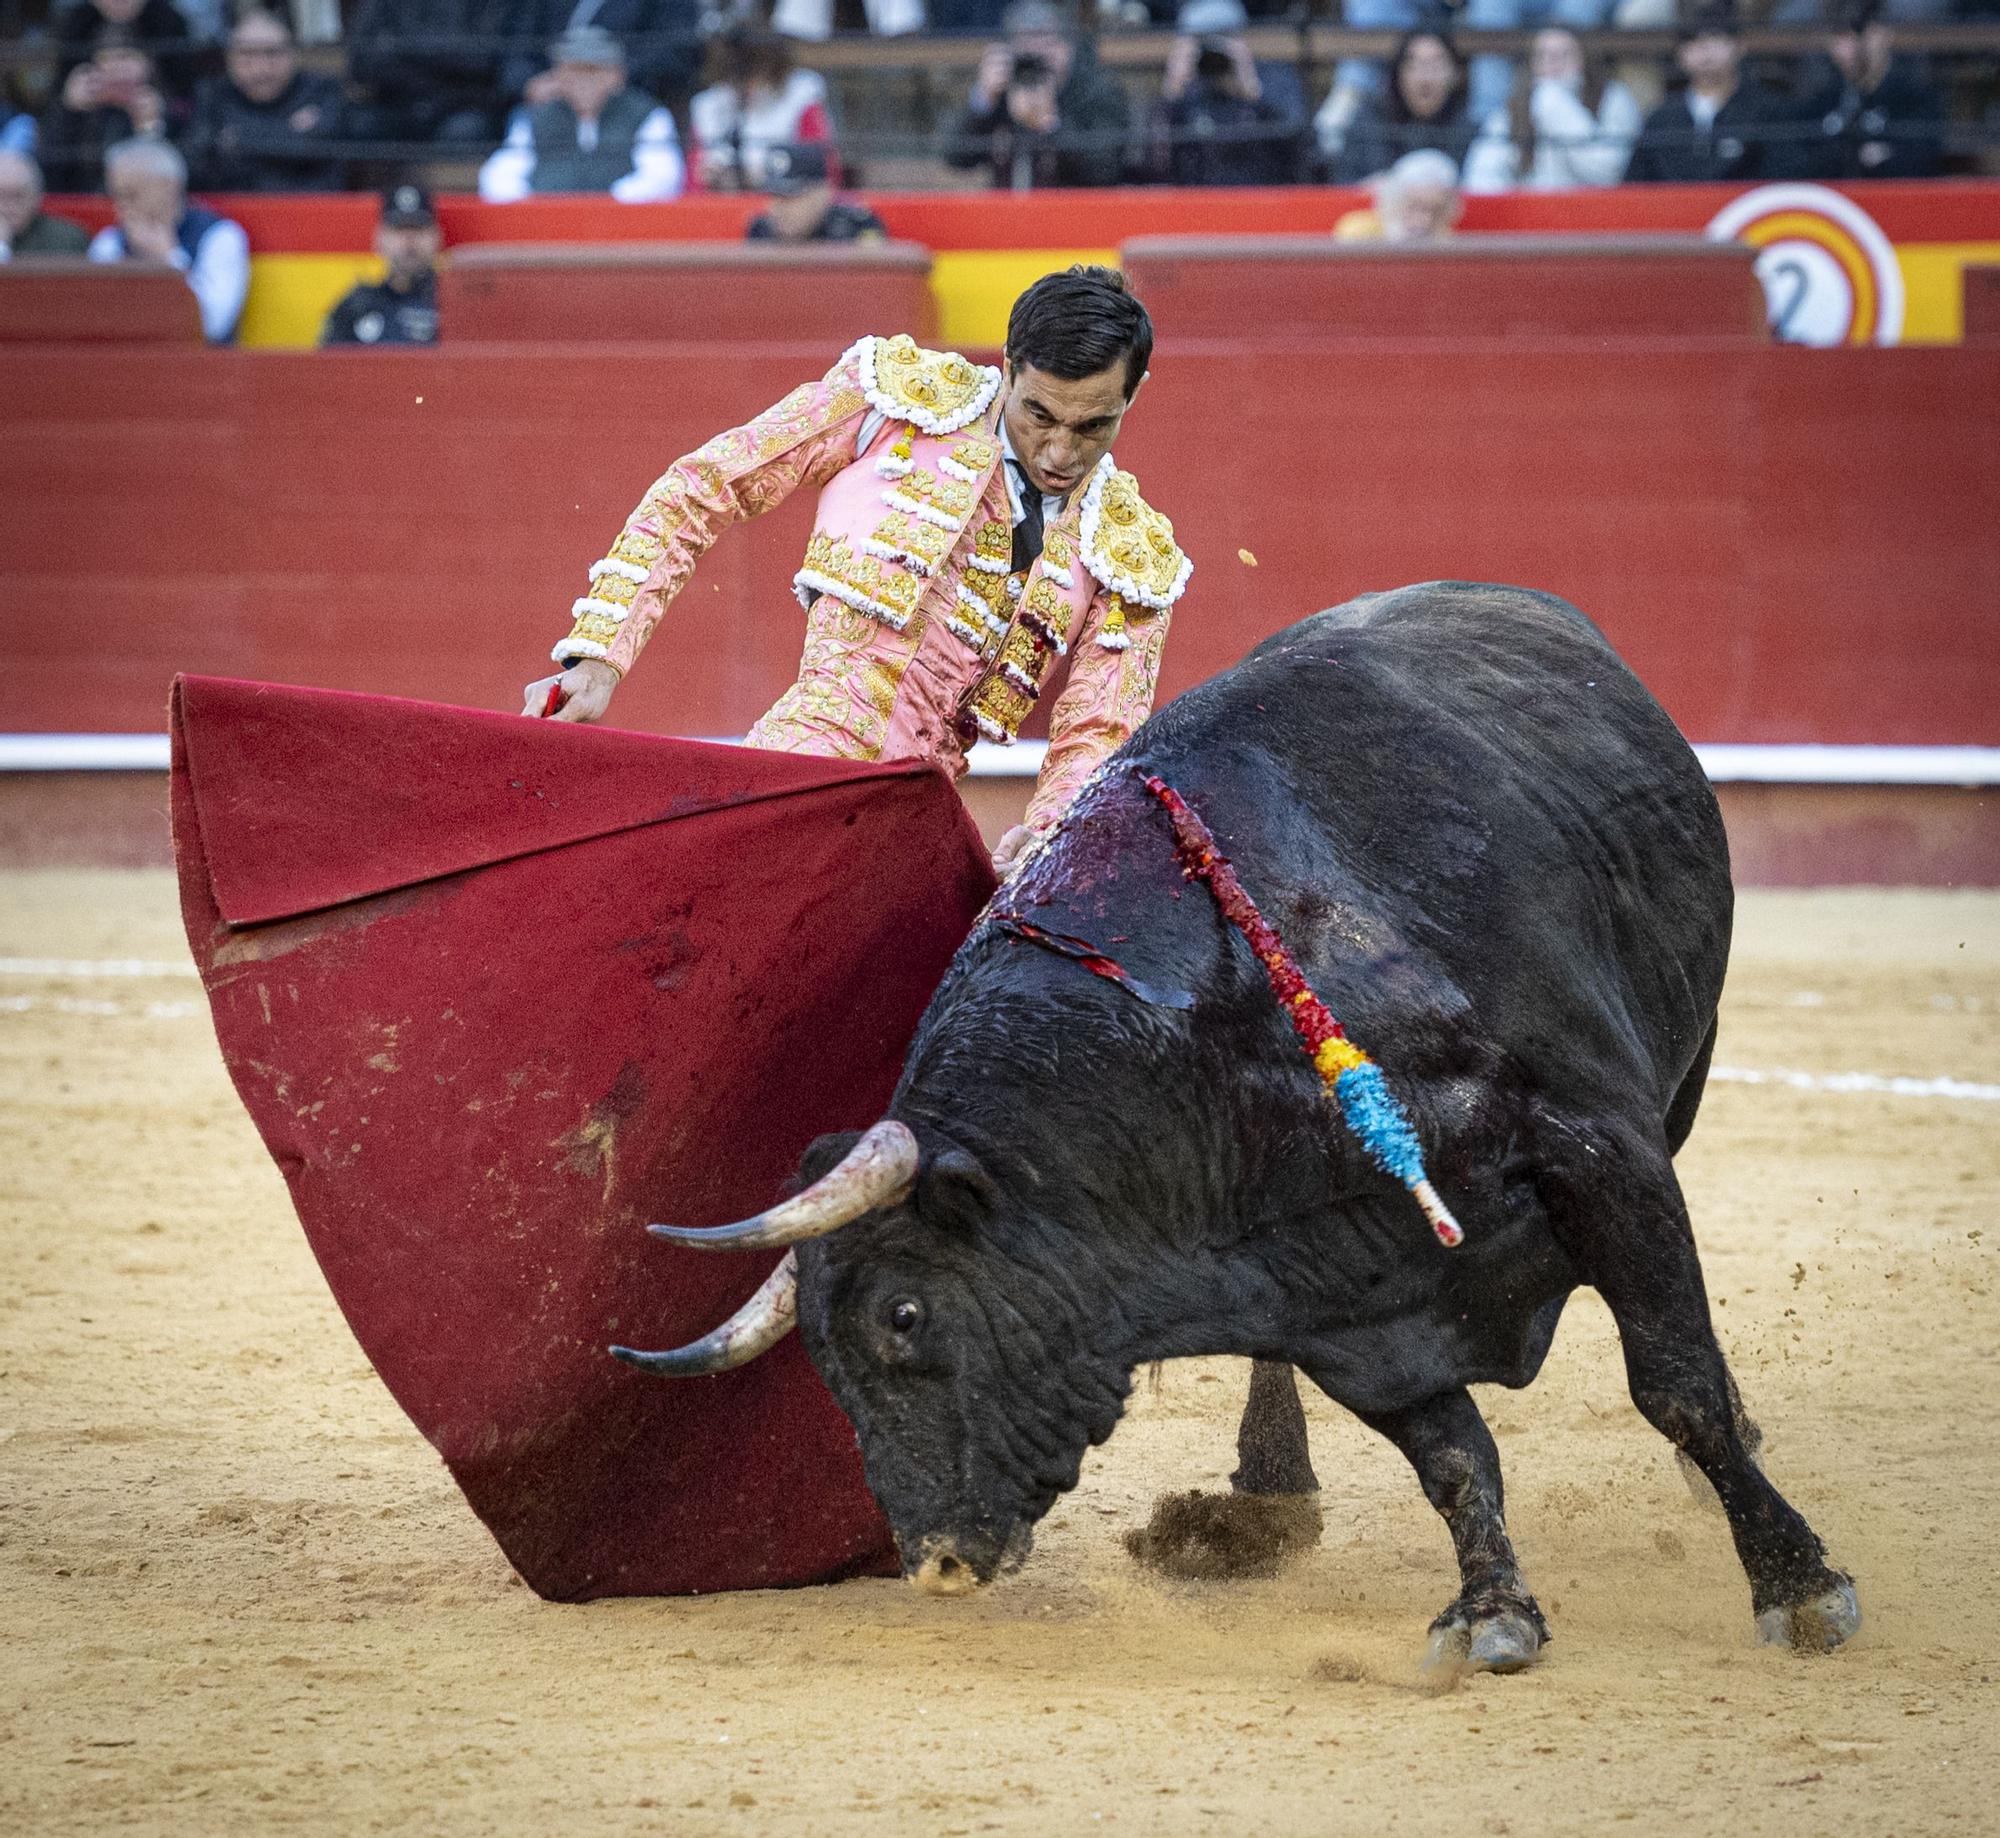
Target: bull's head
(974, 1365)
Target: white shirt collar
(1052, 506)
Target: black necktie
(1028, 532)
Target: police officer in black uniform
(802, 205)
(401, 308)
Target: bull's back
(1477, 768)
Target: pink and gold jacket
(919, 637)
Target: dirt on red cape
(499, 992)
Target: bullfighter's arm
(1110, 691)
(1139, 571)
(805, 440)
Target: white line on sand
(91, 967)
(1857, 1081)
(76, 1005)
(174, 1011)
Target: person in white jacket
(1566, 127)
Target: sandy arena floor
(241, 1595)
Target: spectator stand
(890, 94)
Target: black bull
(1502, 867)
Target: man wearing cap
(401, 308)
(594, 132)
(973, 537)
(802, 207)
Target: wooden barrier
(565, 293)
(1982, 304)
(1310, 287)
(1788, 545)
(69, 300)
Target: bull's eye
(905, 1315)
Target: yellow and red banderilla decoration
(1351, 1078)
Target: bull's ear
(825, 1155)
(955, 1190)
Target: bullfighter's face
(1060, 427)
(971, 1364)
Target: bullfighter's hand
(585, 689)
(1011, 848)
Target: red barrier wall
(1575, 287)
(80, 301)
(1788, 545)
(826, 293)
(1982, 304)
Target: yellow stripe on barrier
(291, 295)
(974, 288)
(1934, 288)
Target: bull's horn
(878, 1171)
(755, 1328)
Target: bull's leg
(1272, 1455)
(1625, 1225)
(1494, 1624)
(1272, 1513)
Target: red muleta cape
(498, 992)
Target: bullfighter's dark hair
(1079, 322)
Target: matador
(972, 534)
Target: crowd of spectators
(699, 92)
(639, 99)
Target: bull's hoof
(1213, 1537)
(1497, 1634)
(1816, 1625)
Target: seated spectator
(662, 41)
(1569, 125)
(430, 69)
(595, 133)
(25, 228)
(1719, 126)
(758, 101)
(401, 308)
(1042, 111)
(110, 98)
(803, 206)
(156, 223)
(1879, 115)
(886, 18)
(1492, 78)
(1425, 107)
(1896, 12)
(1416, 201)
(267, 125)
(156, 27)
(1357, 78)
(1224, 118)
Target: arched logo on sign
(1830, 276)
